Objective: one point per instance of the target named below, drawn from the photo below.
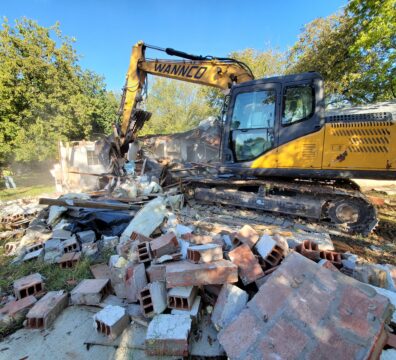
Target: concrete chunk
(184, 273)
(111, 321)
(90, 292)
(230, 302)
(45, 311)
(168, 335)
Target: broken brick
(90, 291)
(144, 253)
(248, 265)
(204, 253)
(139, 237)
(153, 299)
(45, 311)
(182, 297)
(165, 244)
(135, 281)
(184, 273)
(309, 249)
(28, 285)
(111, 321)
(333, 257)
(247, 235)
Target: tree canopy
(45, 95)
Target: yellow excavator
(279, 151)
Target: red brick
(309, 249)
(144, 252)
(45, 311)
(156, 272)
(165, 244)
(15, 307)
(184, 273)
(283, 341)
(248, 266)
(246, 235)
(333, 257)
(139, 237)
(181, 298)
(204, 253)
(238, 338)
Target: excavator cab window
(252, 124)
(298, 104)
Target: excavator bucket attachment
(138, 119)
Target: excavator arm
(221, 73)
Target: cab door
(253, 117)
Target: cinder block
(45, 311)
(165, 244)
(193, 313)
(34, 255)
(204, 253)
(333, 257)
(71, 245)
(230, 302)
(248, 265)
(69, 260)
(111, 321)
(184, 273)
(135, 281)
(182, 297)
(153, 299)
(156, 272)
(246, 235)
(144, 253)
(34, 247)
(168, 335)
(309, 249)
(28, 285)
(270, 250)
(90, 292)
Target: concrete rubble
(198, 282)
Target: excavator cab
(267, 113)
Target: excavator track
(339, 204)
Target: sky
(106, 30)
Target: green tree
(176, 106)
(353, 50)
(45, 96)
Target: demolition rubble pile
(234, 291)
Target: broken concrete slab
(28, 285)
(135, 281)
(152, 299)
(111, 321)
(248, 266)
(204, 253)
(90, 292)
(168, 335)
(182, 298)
(371, 274)
(184, 273)
(100, 271)
(46, 310)
(314, 309)
(229, 304)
